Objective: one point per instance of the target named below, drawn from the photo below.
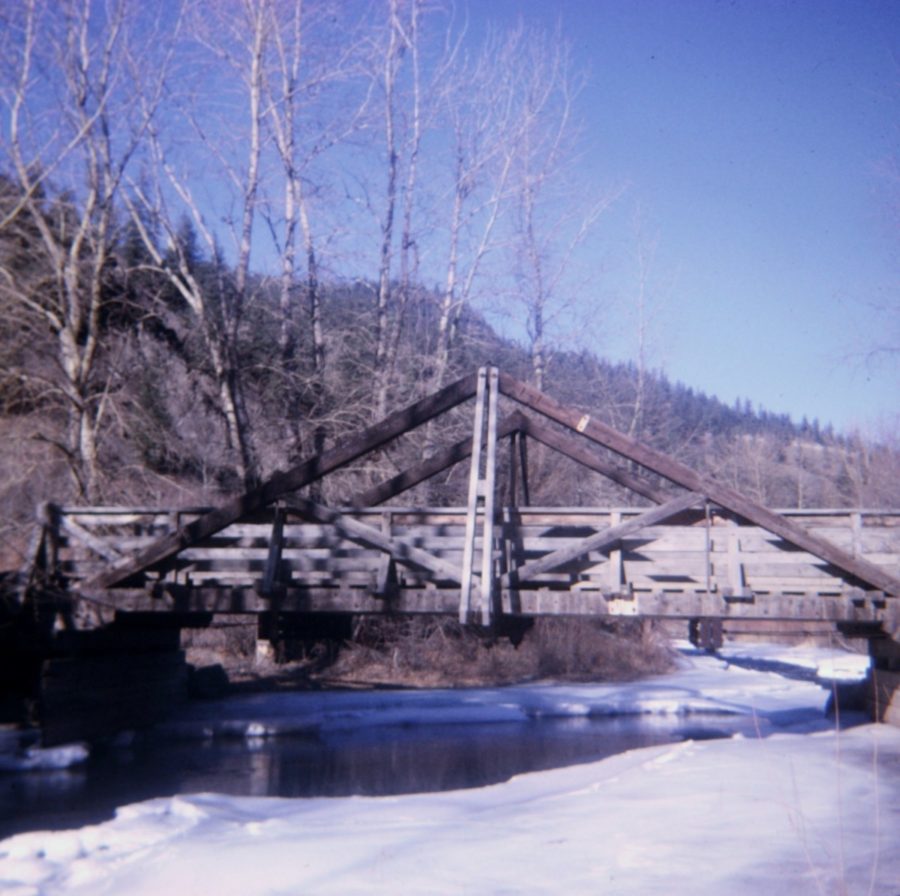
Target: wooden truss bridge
(699, 551)
(111, 587)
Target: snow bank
(788, 814)
(43, 758)
(827, 664)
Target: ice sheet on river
(733, 684)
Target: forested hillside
(230, 238)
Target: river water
(379, 760)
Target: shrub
(428, 652)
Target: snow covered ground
(794, 807)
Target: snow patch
(43, 758)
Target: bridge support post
(481, 499)
(97, 683)
(706, 634)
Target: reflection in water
(369, 761)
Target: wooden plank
(658, 603)
(523, 467)
(513, 484)
(693, 604)
(273, 557)
(682, 475)
(616, 572)
(282, 483)
(346, 554)
(655, 540)
(106, 511)
(888, 520)
(472, 503)
(384, 582)
(97, 545)
(354, 530)
(513, 554)
(664, 554)
(603, 539)
(40, 559)
(490, 488)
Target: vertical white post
(616, 566)
(475, 486)
(735, 565)
(489, 482)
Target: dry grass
(432, 653)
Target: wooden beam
(89, 540)
(475, 495)
(490, 495)
(616, 580)
(601, 540)
(736, 579)
(385, 578)
(582, 454)
(361, 533)
(676, 472)
(272, 573)
(513, 485)
(282, 483)
(533, 602)
(431, 466)
(523, 467)
(42, 553)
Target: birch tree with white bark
(215, 185)
(81, 84)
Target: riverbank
(780, 688)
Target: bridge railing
(696, 552)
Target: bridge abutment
(95, 684)
(883, 686)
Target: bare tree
(412, 62)
(288, 97)
(463, 168)
(553, 215)
(479, 100)
(399, 149)
(229, 44)
(73, 70)
(311, 108)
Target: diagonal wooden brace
(280, 484)
(602, 540)
(720, 494)
(368, 536)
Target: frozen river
(787, 804)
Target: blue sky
(753, 135)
